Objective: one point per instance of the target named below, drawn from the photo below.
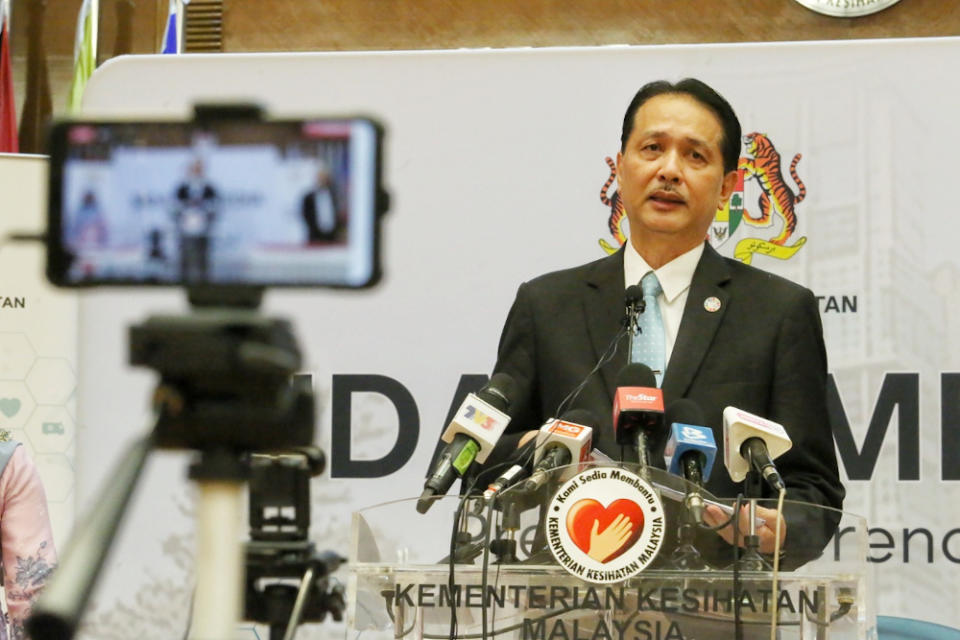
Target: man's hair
(705, 95)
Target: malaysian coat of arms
(775, 211)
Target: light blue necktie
(648, 346)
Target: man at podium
(732, 335)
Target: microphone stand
(465, 552)
(750, 559)
(635, 305)
(686, 557)
(513, 502)
(505, 548)
(643, 454)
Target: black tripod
(286, 580)
(225, 391)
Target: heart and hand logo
(604, 533)
(605, 524)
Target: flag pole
(180, 23)
(94, 28)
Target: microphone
(511, 476)
(637, 410)
(471, 435)
(635, 305)
(561, 442)
(690, 451)
(752, 442)
(633, 299)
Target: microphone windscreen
(636, 374)
(684, 411)
(583, 417)
(633, 294)
(500, 391)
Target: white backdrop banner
(38, 341)
(498, 166)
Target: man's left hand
(713, 516)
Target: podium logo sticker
(605, 525)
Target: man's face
(670, 173)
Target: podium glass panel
(505, 583)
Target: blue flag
(170, 33)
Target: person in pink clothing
(26, 538)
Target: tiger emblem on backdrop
(617, 214)
(776, 206)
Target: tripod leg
(220, 567)
(60, 606)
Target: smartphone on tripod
(223, 199)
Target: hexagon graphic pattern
(16, 356)
(51, 380)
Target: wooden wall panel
(440, 24)
(135, 26)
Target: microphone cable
(452, 558)
(776, 563)
(737, 585)
(451, 579)
(607, 356)
(485, 568)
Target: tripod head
(225, 380)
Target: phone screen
(238, 202)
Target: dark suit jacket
(308, 210)
(762, 351)
(205, 200)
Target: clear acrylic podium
(401, 586)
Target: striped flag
(84, 51)
(8, 106)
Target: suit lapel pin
(712, 304)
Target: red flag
(8, 106)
